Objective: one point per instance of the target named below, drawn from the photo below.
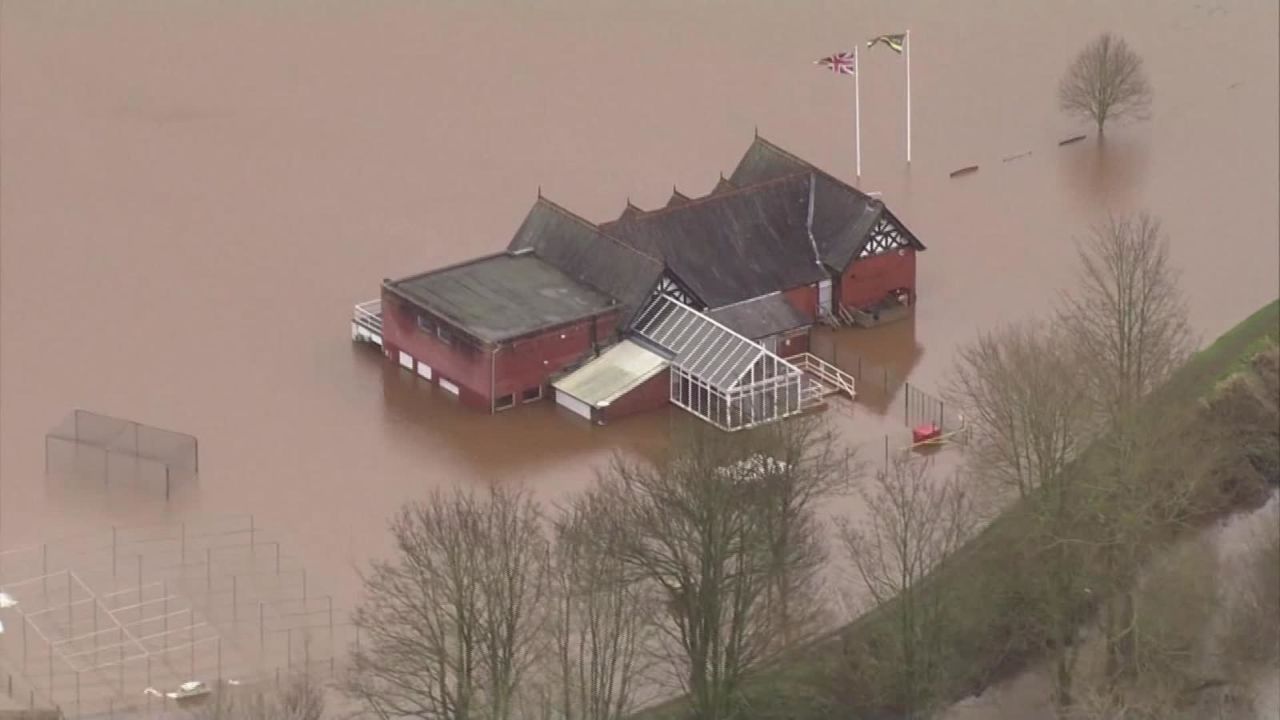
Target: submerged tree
(1105, 82)
(452, 622)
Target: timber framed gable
(886, 236)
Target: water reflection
(1105, 172)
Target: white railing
(811, 394)
(825, 371)
(369, 315)
(366, 322)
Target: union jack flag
(842, 63)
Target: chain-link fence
(90, 623)
(88, 449)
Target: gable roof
(761, 317)
(581, 251)
(630, 210)
(723, 186)
(732, 246)
(843, 216)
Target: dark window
(425, 324)
(444, 336)
(504, 402)
(531, 394)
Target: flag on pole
(846, 63)
(842, 63)
(893, 42)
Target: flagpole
(908, 54)
(857, 114)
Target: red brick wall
(804, 299)
(518, 366)
(464, 362)
(795, 344)
(528, 362)
(649, 395)
(867, 280)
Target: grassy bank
(985, 635)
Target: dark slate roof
(842, 216)
(723, 186)
(629, 211)
(500, 297)
(587, 255)
(677, 198)
(733, 246)
(761, 317)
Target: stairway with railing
(825, 373)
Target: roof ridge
(769, 145)
(450, 266)
(744, 301)
(735, 190)
(599, 231)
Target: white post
(907, 52)
(857, 114)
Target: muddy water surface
(192, 195)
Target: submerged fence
(92, 622)
(878, 387)
(89, 449)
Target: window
(444, 336)
(504, 402)
(425, 324)
(531, 394)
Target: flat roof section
(618, 371)
(501, 297)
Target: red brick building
(774, 249)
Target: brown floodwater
(193, 195)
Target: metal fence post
(164, 591)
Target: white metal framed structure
(717, 374)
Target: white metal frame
(718, 374)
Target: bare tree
(913, 522)
(450, 625)
(1019, 388)
(1126, 314)
(300, 699)
(800, 464)
(603, 619)
(696, 523)
(1128, 318)
(1105, 82)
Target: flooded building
(706, 302)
